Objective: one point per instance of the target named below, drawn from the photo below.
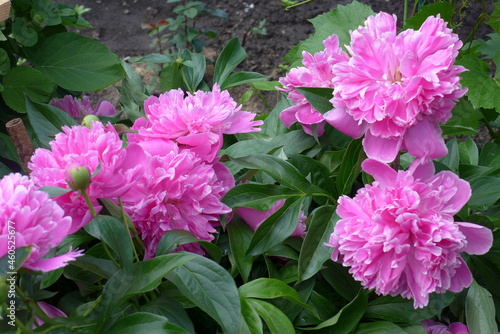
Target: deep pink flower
(79, 108)
(395, 88)
(316, 72)
(28, 217)
(98, 148)
(195, 121)
(434, 327)
(50, 311)
(177, 190)
(254, 218)
(398, 234)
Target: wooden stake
(4, 10)
(21, 140)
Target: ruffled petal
(479, 238)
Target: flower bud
(87, 120)
(77, 176)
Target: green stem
(89, 202)
(405, 11)
(134, 231)
(297, 4)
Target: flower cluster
(398, 235)
(34, 220)
(316, 72)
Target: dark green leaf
(76, 63)
(6, 266)
(494, 19)
(23, 80)
(175, 238)
(469, 153)
(444, 8)
(114, 234)
(452, 159)
(319, 98)
(480, 310)
(273, 126)
(484, 192)
(172, 310)
(101, 267)
(240, 78)
(132, 94)
(170, 77)
(465, 120)
(23, 32)
(142, 322)
(350, 167)
(380, 327)
(250, 322)
(257, 196)
(240, 235)
(48, 12)
(211, 288)
(50, 278)
(4, 62)
(275, 229)
(314, 252)
(276, 321)
(269, 288)
(229, 58)
(340, 279)
(194, 69)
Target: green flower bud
(77, 176)
(87, 120)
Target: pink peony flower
(434, 327)
(101, 151)
(79, 108)
(50, 311)
(177, 190)
(316, 72)
(28, 217)
(254, 218)
(395, 88)
(398, 234)
(195, 121)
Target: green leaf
(250, 323)
(379, 327)
(445, 9)
(20, 256)
(490, 156)
(276, 321)
(114, 234)
(484, 192)
(269, 288)
(273, 125)
(4, 62)
(400, 310)
(452, 159)
(231, 55)
(75, 62)
(314, 252)
(257, 196)
(23, 32)
(240, 235)
(47, 120)
(171, 309)
(341, 280)
(338, 21)
(480, 310)
(101, 267)
(282, 171)
(465, 120)
(494, 18)
(48, 12)
(350, 167)
(211, 288)
(170, 77)
(138, 278)
(346, 320)
(265, 85)
(132, 95)
(175, 238)
(240, 78)
(319, 98)
(194, 66)
(142, 322)
(50, 278)
(469, 153)
(275, 229)
(23, 80)
(55, 191)
(484, 91)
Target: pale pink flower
(434, 327)
(316, 72)
(398, 235)
(254, 218)
(50, 311)
(177, 190)
(28, 217)
(195, 121)
(101, 151)
(79, 108)
(395, 88)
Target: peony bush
(359, 204)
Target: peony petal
(380, 171)
(424, 140)
(46, 265)
(479, 238)
(345, 123)
(462, 278)
(382, 149)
